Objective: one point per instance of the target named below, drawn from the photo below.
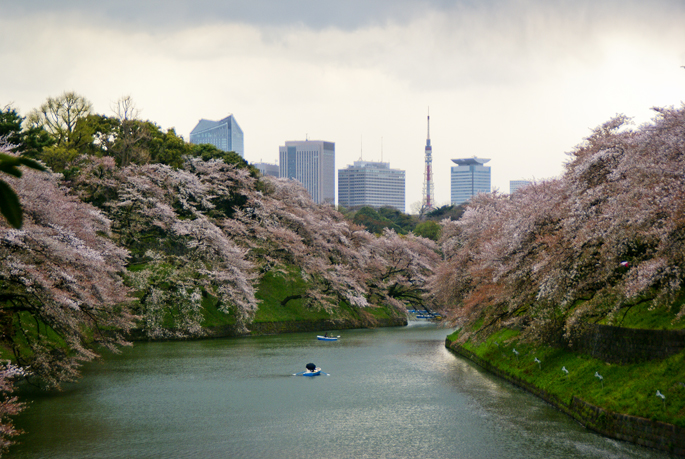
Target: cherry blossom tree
(179, 253)
(340, 260)
(213, 228)
(603, 237)
(60, 285)
(9, 403)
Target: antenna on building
(428, 187)
(381, 149)
(428, 135)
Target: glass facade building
(225, 134)
(371, 184)
(469, 177)
(516, 184)
(312, 163)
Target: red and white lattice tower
(428, 187)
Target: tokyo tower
(428, 187)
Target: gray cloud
(348, 14)
(314, 14)
(538, 73)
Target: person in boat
(310, 367)
(325, 335)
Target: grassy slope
(273, 289)
(628, 389)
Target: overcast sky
(519, 82)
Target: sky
(521, 82)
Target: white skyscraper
(372, 184)
(312, 163)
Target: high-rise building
(469, 177)
(267, 168)
(516, 184)
(225, 134)
(372, 184)
(312, 163)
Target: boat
(312, 370)
(315, 372)
(327, 338)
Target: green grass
(644, 315)
(627, 389)
(273, 289)
(272, 292)
(212, 317)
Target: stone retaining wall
(274, 328)
(653, 434)
(624, 345)
(645, 432)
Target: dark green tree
(207, 151)
(374, 222)
(428, 229)
(10, 125)
(168, 147)
(452, 212)
(95, 135)
(404, 221)
(10, 207)
(26, 142)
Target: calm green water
(391, 393)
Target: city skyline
(522, 82)
(362, 166)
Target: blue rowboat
(326, 338)
(312, 370)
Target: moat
(394, 393)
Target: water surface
(391, 393)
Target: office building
(267, 169)
(225, 135)
(372, 184)
(312, 163)
(516, 184)
(468, 178)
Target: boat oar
(298, 374)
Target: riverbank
(616, 400)
(276, 328)
(275, 317)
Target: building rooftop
(370, 164)
(205, 124)
(470, 161)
